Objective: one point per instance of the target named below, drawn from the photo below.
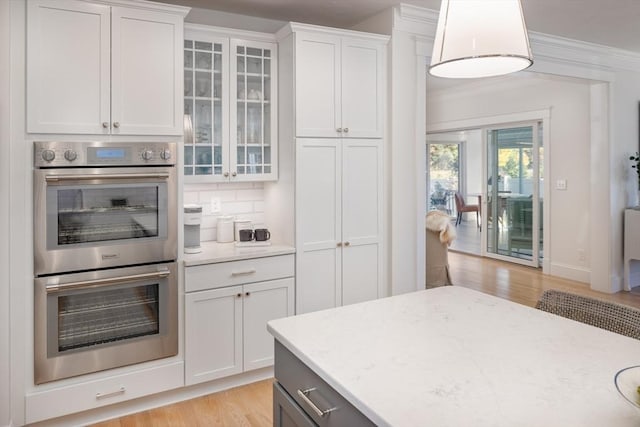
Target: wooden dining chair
(613, 317)
(462, 207)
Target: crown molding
(146, 5)
(545, 47)
(293, 27)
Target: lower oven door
(88, 322)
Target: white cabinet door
(146, 80)
(262, 302)
(318, 224)
(362, 88)
(318, 85)
(95, 69)
(67, 66)
(361, 220)
(253, 115)
(213, 334)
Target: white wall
(568, 149)
(473, 160)
(5, 140)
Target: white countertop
(451, 356)
(214, 252)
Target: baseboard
(571, 272)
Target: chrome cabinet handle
(339, 130)
(105, 125)
(234, 173)
(339, 244)
(304, 395)
(347, 243)
(243, 273)
(54, 287)
(121, 390)
(346, 130)
(116, 124)
(226, 174)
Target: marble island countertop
(214, 252)
(451, 356)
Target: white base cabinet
(93, 68)
(226, 327)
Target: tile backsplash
(242, 200)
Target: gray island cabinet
(447, 356)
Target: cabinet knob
(248, 293)
(116, 124)
(346, 130)
(226, 174)
(234, 173)
(339, 244)
(105, 125)
(238, 295)
(347, 243)
(339, 130)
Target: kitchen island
(451, 356)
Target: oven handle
(105, 282)
(56, 178)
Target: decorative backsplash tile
(242, 200)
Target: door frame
(507, 120)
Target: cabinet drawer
(74, 398)
(294, 376)
(223, 274)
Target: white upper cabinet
(103, 70)
(339, 83)
(230, 103)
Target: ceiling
(608, 22)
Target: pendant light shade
(480, 38)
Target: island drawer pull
(304, 395)
(121, 390)
(243, 273)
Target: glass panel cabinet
(230, 109)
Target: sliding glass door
(513, 210)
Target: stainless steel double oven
(105, 248)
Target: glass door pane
(253, 68)
(203, 106)
(512, 193)
(443, 179)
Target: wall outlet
(581, 255)
(216, 206)
(561, 184)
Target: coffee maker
(192, 220)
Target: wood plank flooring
(251, 405)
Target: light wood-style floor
(251, 405)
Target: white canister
(241, 224)
(224, 229)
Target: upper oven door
(93, 218)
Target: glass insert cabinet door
(206, 148)
(253, 125)
(230, 109)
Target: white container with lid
(224, 229)
(192, 219)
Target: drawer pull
(121, 390)
(304, 395)
(243, 273)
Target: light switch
(561, 184)
(215, 205)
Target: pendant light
(480, 38)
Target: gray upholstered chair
(613, 317)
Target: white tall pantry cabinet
(332, 109)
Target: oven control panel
(79, 154)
